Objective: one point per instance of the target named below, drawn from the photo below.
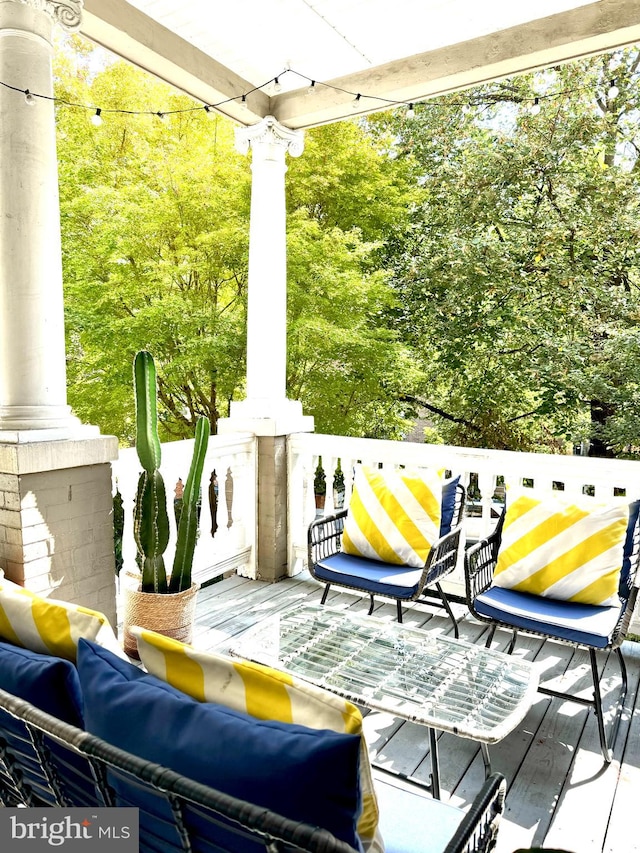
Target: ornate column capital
(270, 133)
(67, 13)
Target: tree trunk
(599, 413)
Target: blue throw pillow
(52, 685)
(305, 774)
(448, 504)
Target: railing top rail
(230, 442)
(471, 458)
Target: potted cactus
(161, 602)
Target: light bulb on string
(277, 87)
(29, 97)
(96, 119)
(356, 102)
(535, 107)
(243, 102)
(312, 88)
(160, 115)
(613, 90)
(410, 111)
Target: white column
(267, 411)
(33, 395)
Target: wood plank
(532, 795)
(625, 795)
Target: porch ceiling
(384, 50)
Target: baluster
(487, 485)
(329, 465)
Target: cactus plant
(151, 519)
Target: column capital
(67, 13)
(269, 132)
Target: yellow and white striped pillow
(264, 693)
(565, 548)
(393, 516)
(49, 626)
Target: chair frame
(46, 784)
(324, 538)
(480, 563)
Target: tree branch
(440, 412)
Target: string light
(274, 82)
(96, 119)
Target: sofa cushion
(48, 625)
(264, 693)
(393, 516)
(413, 822)
(569, 549)
(305, 774)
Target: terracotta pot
(170, 614)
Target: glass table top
(448, 684)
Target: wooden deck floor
(560, 795)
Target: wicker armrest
(478, 829)
(479, 564)
(324, 537)
(444, 555)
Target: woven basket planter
(170, 614)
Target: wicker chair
(45, 762)
(332, 567)
(596, 628)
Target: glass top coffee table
(437, 681)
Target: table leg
(435, 765)
(486, 759)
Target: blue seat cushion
(411, 822)
(587, 624)
(370, 575)
(308, 775)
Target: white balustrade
(232, 547)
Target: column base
(266, 417)
(31, 436)
(47, 423)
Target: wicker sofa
(81, 726)
(47, 762)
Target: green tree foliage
(518, 277)
(155, 219)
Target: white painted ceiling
(400, 50)
(325, 39)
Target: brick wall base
(56, 527)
